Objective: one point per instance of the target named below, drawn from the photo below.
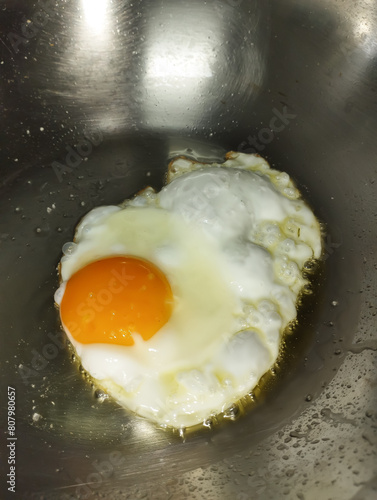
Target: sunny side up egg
(176, 302)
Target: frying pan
(96, 97)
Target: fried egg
(176, 301)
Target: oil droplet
(208, 423)
(182, 432)
(232, 412)
(101, 395)
(309, 265)
(297, 434)
(307, 290)
(41, 231)
(251, 396)
(357, 348)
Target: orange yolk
(110, 299)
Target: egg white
(232, 240)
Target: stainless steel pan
(96, 96)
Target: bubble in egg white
(234, 358)
(86, 228)
(283, 179)
(290, 192)
(59, 293)
(287, 245)
(68, 248)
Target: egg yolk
(110, 299)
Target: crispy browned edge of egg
(228, 156)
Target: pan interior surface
(97, 97)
